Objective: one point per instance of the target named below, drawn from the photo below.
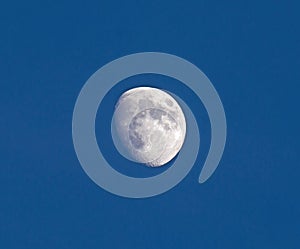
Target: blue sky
(248, 49)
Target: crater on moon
(148, 126)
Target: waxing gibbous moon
(148, 126)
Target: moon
(148, 126)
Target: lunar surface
(148, 126)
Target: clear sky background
(248, 49)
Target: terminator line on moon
(148, 126)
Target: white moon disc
(148, 126)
